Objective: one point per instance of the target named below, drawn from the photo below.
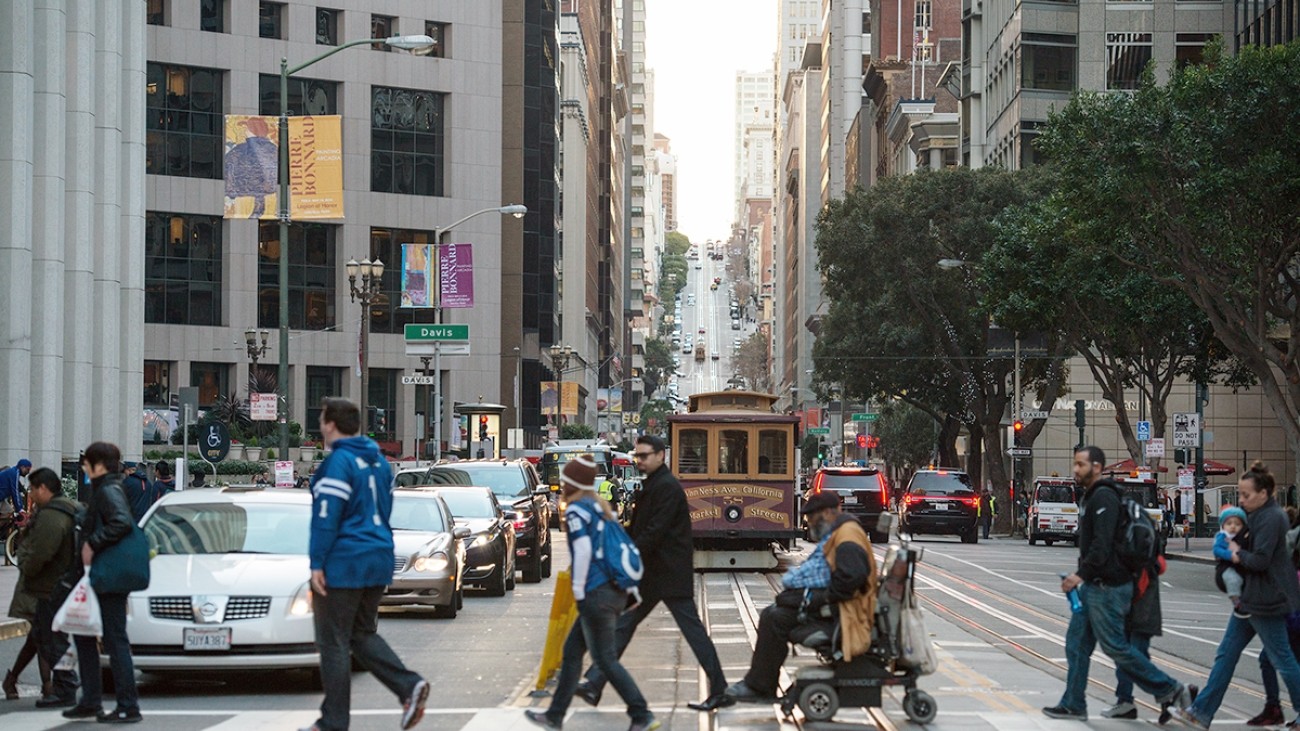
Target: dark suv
(942, 502)
(517, 487)
(863, 492)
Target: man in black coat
(661, 528)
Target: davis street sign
(417, 380)
(865, 417)
(1031, 414)
(1020, 452)
(819, 430)
(436, 333)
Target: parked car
(490, 555)
(517, 486)
(428, 553)
(228, 583)
(941, 502)
(863, 492)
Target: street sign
(1187, 429)
(865, 417)
(819, 430)
(214, 441)
(436, 333)
(421, 348)
(1186, 477)
(1156, 447)
(262, 406)
(1032, 414)
(1020, 452)
(417, 380)
(284, 473)
(1143, 431)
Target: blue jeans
(1272, 694)
(1123, 683)
(112, 609)
(594, 632)
(1272, 633)
(1102, 622)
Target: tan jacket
(858, 613)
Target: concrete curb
(1192, 558)
(13, 628)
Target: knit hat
(1233, 512)
(580, 472)
(24, 462)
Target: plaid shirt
(815, 573)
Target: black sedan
(490, 547)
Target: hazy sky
(695, 48)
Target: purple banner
(456, 268)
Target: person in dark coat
(661, 528)
(139, 493)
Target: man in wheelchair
(838, 578)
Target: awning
(1128, 466)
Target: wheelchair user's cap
(819, 502)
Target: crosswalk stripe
(269, 720)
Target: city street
(993, 608)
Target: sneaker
(1121, 710)
(1181, 697)
(587, 693)
(650, 725)
(80, 712)
(1185, 717)
(56, 701)
(538, 718)
(1270, 716)
(121, 715)
(413, 707)
(1065, 713)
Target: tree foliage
(1198, 183)
(907, 437)
(577, 431)
(752, 363)
(658, 364)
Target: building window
(322, 382)
(1127, 55)
(212, 16)
(866, 23)
(638, 212)
(383, 395)
(156, 12)
(327, 27)
(270, 20)
(1189, 48)
(382, 26)
(441, 35)
(386, 316)
(157, 383)
(406, 141)
(306, 96)
(184, 121)
(312, 261)
(1047, 61)
(924, 14)
(182, 269)
(212, 380)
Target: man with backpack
(661, 528)
(139, 493)
(1110, 537)
(589, 520)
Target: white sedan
(228, 585)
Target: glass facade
(182, 269)
(1127, 56)
(212, 380)
(183, 112)
(306, 96)
(312, 263)
(386, 315)
(1048, 61)
(322, 382)
(406, 141)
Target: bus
(557, 453)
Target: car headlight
(481, 539)
(436, 562)
(300, 605)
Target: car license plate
(850, 500)
(940, 505)
(207, 638)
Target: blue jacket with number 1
(351, 500)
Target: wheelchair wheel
(819, 701)
(920, 706)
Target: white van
(1053, 511)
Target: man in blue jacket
(9, 489)
(351, 554)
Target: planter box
(253, 454)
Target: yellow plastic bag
(564, 612)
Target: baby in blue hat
(1232, 527)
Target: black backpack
(1137, 542)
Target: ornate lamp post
(255, 351)
(560, 357)
(371, 274)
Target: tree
(654, 416)
(907, 437)
(676, 243)
(753, 364)
(658, 363)
(577, 431)
(1198, 182)
(892, 308)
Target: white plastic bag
(917, 652)
(79, 614)
(69, 659)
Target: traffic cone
(564, 612)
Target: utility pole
(1202, 398)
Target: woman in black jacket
(107, 521)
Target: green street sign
(865, 417)
(819, 430)
(436, 333)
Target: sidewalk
(9, 627)
(1190, 549)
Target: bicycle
(12, 531)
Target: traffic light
(821, 450)
(482, 427)
(862, 441)
(1181, 456)
(372, 418)
(380, 424)
(1018, 426)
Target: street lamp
(406, 43)
(372, 275)
(255, 351)
(516, 210)
(560, 357)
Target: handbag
(122, 567)
(79, 614)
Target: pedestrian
(46, 554)
(11, 487)
(1144, 622)
(661, 529)
(351, 553)
(138, 491)
(106, 522)
(1270, 593)
(988, 510)
(599, 604)
(839, 574)
(166, 482)
(1232, 527)
(1272, 713)
(23, 606)
(1106, 590)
